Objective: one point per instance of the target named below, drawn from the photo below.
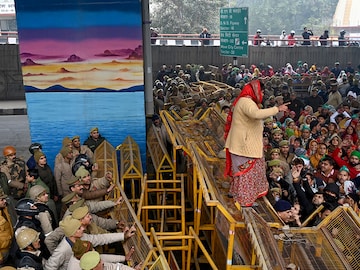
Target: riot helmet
(26, 207)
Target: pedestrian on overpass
(283, 38)
(258, 39)
(324, 37)
(291, 38)
(153, 35)
(205, 37)
(306, 36)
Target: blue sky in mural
(41, 5)
(82, 45)
(69, 22)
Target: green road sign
(234, 30)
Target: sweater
(246, 132)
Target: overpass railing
(269, 40)
(9, 37)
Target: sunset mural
(86, 45)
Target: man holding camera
(306, 36)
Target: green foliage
(185, 16)
(271, 16)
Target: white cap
(258, 31)
(352, 94)
(292, 32)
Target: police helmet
(9, 150)
(34, 146)
(82, 160)
(26, 207)
(26, 237)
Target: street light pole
(148, 80)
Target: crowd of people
(310, 130)
(307, 38)
(56, 219)
(309, 155)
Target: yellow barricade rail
(212, 86)
(157, 238)
(131, 171)
(144, 250)
(333, 244)
(216, 216)
(162, 207)
(159, 155)
(105, 157)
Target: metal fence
(11, 37)
(268, 40)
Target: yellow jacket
(6, 232)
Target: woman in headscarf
(321, 151)
(256, 74)
(243, 134)
(289, 70)
(306, 113)
(334, 142)
(312, 148)
(350, 131)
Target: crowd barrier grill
(105, 157)
(131, 171)
(189, 241)
(159, 155)
(162, 209)
(144, 250)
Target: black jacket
(26, 259)
(92, 144)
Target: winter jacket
(60, 258)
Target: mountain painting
(82, 65)
(80, 45)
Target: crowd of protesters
(33, 198)
(312, 149)
(312, 153)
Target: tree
(185, 16)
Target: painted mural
(82, 67)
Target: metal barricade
(131, 171)
(105, 157)
(144, 250)
(159, 155)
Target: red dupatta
(252, 90)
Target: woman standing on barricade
(243, 134)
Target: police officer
(6, 229)
(15, 170)
(28, 254)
